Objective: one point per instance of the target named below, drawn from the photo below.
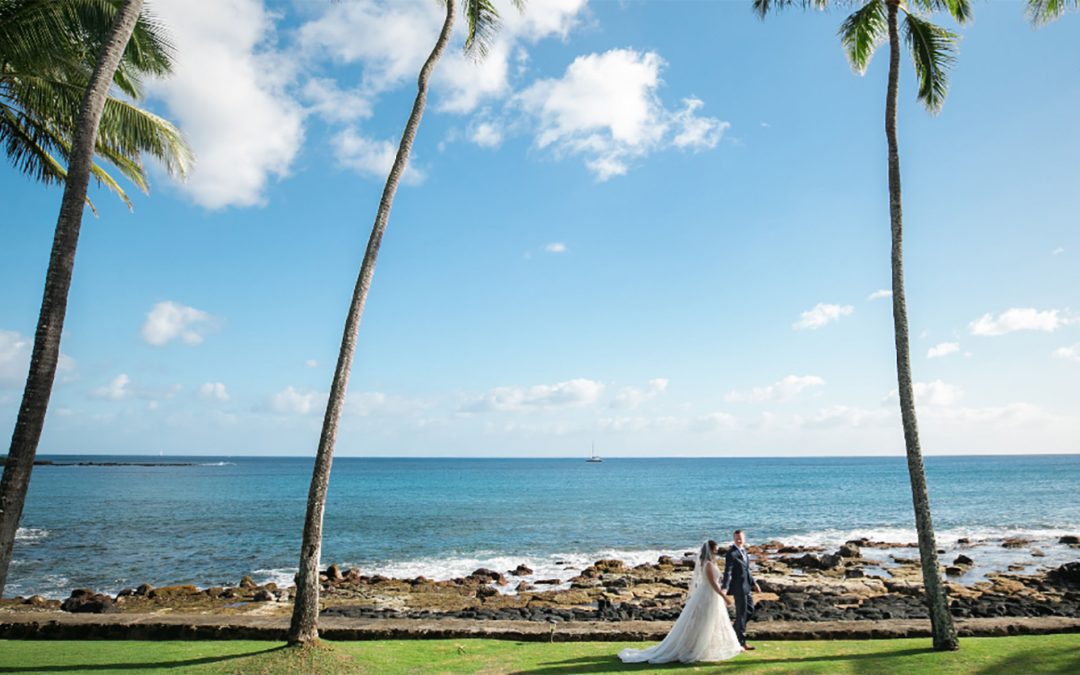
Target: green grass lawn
(1029, 654)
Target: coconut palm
(482, 21)
(48, 50)
(58, 59)
(933, 51)
(1044, 11)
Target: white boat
(595, 458)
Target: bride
(703, 631)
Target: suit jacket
(737, 576)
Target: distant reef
(49, 462)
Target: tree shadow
(154, 665)
(1032, 660)
(608, 663)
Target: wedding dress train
(703, 631)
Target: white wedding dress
(703, 630)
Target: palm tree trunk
(304, 626)
(944, 632)
(46, 353)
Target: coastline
(861, 581)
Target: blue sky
(656, 226)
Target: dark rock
(954, 571)
(489, 575)
(247, 584)
(1067, 575)
(522, 571)
(1070, 539)
(263, 595)
(610, 565)
(144, 589)
(665, 560)
(333, 573)
(854, 573)
(849, 550)
(83, 600)
(548, 582)
(1037, 553)
(1015, 542)
(166, 592)
(35, 601)
(483, 592)
(524, 586)
(964, 561)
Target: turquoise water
(112, 527)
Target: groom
(738, 582)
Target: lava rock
(85, 601)
(850, 550)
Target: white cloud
(578, 392)
(605, 109)
(943, 349)
(486, 135)
(398, 36)
(821, 315)
(1069, 353)
(716, 421)
(1012, 414)
(370, 156)
(693, 132)
(1058, 251)
(228, 94)
(632, 397)
(334, 104)
(847, 416)
(14, 357)
(116, 389)
(463, 84)
(15, 351)
(167, 321)
(291, 401)
(311, 363)
(936, 393)
(1017, 319)
(783, 390)
(879, 294)
(396, 39)
(214, 390)
(375, 403)
(556, 247)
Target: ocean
(220, 518)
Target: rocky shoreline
(800, 584)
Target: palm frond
(763, 7)
(1041, 12)
(28, 146)
(124, 127)
(482, 22)
(933, 49)
(862, 32)
(959, 10)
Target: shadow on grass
(153, 665)
(609, 663)
(1035, 660)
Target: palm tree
(59, 59)
(48, 49)
(933, 51)
(1042, 12)
(482, 22)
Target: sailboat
(594, 458)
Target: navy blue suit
(739, 582)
